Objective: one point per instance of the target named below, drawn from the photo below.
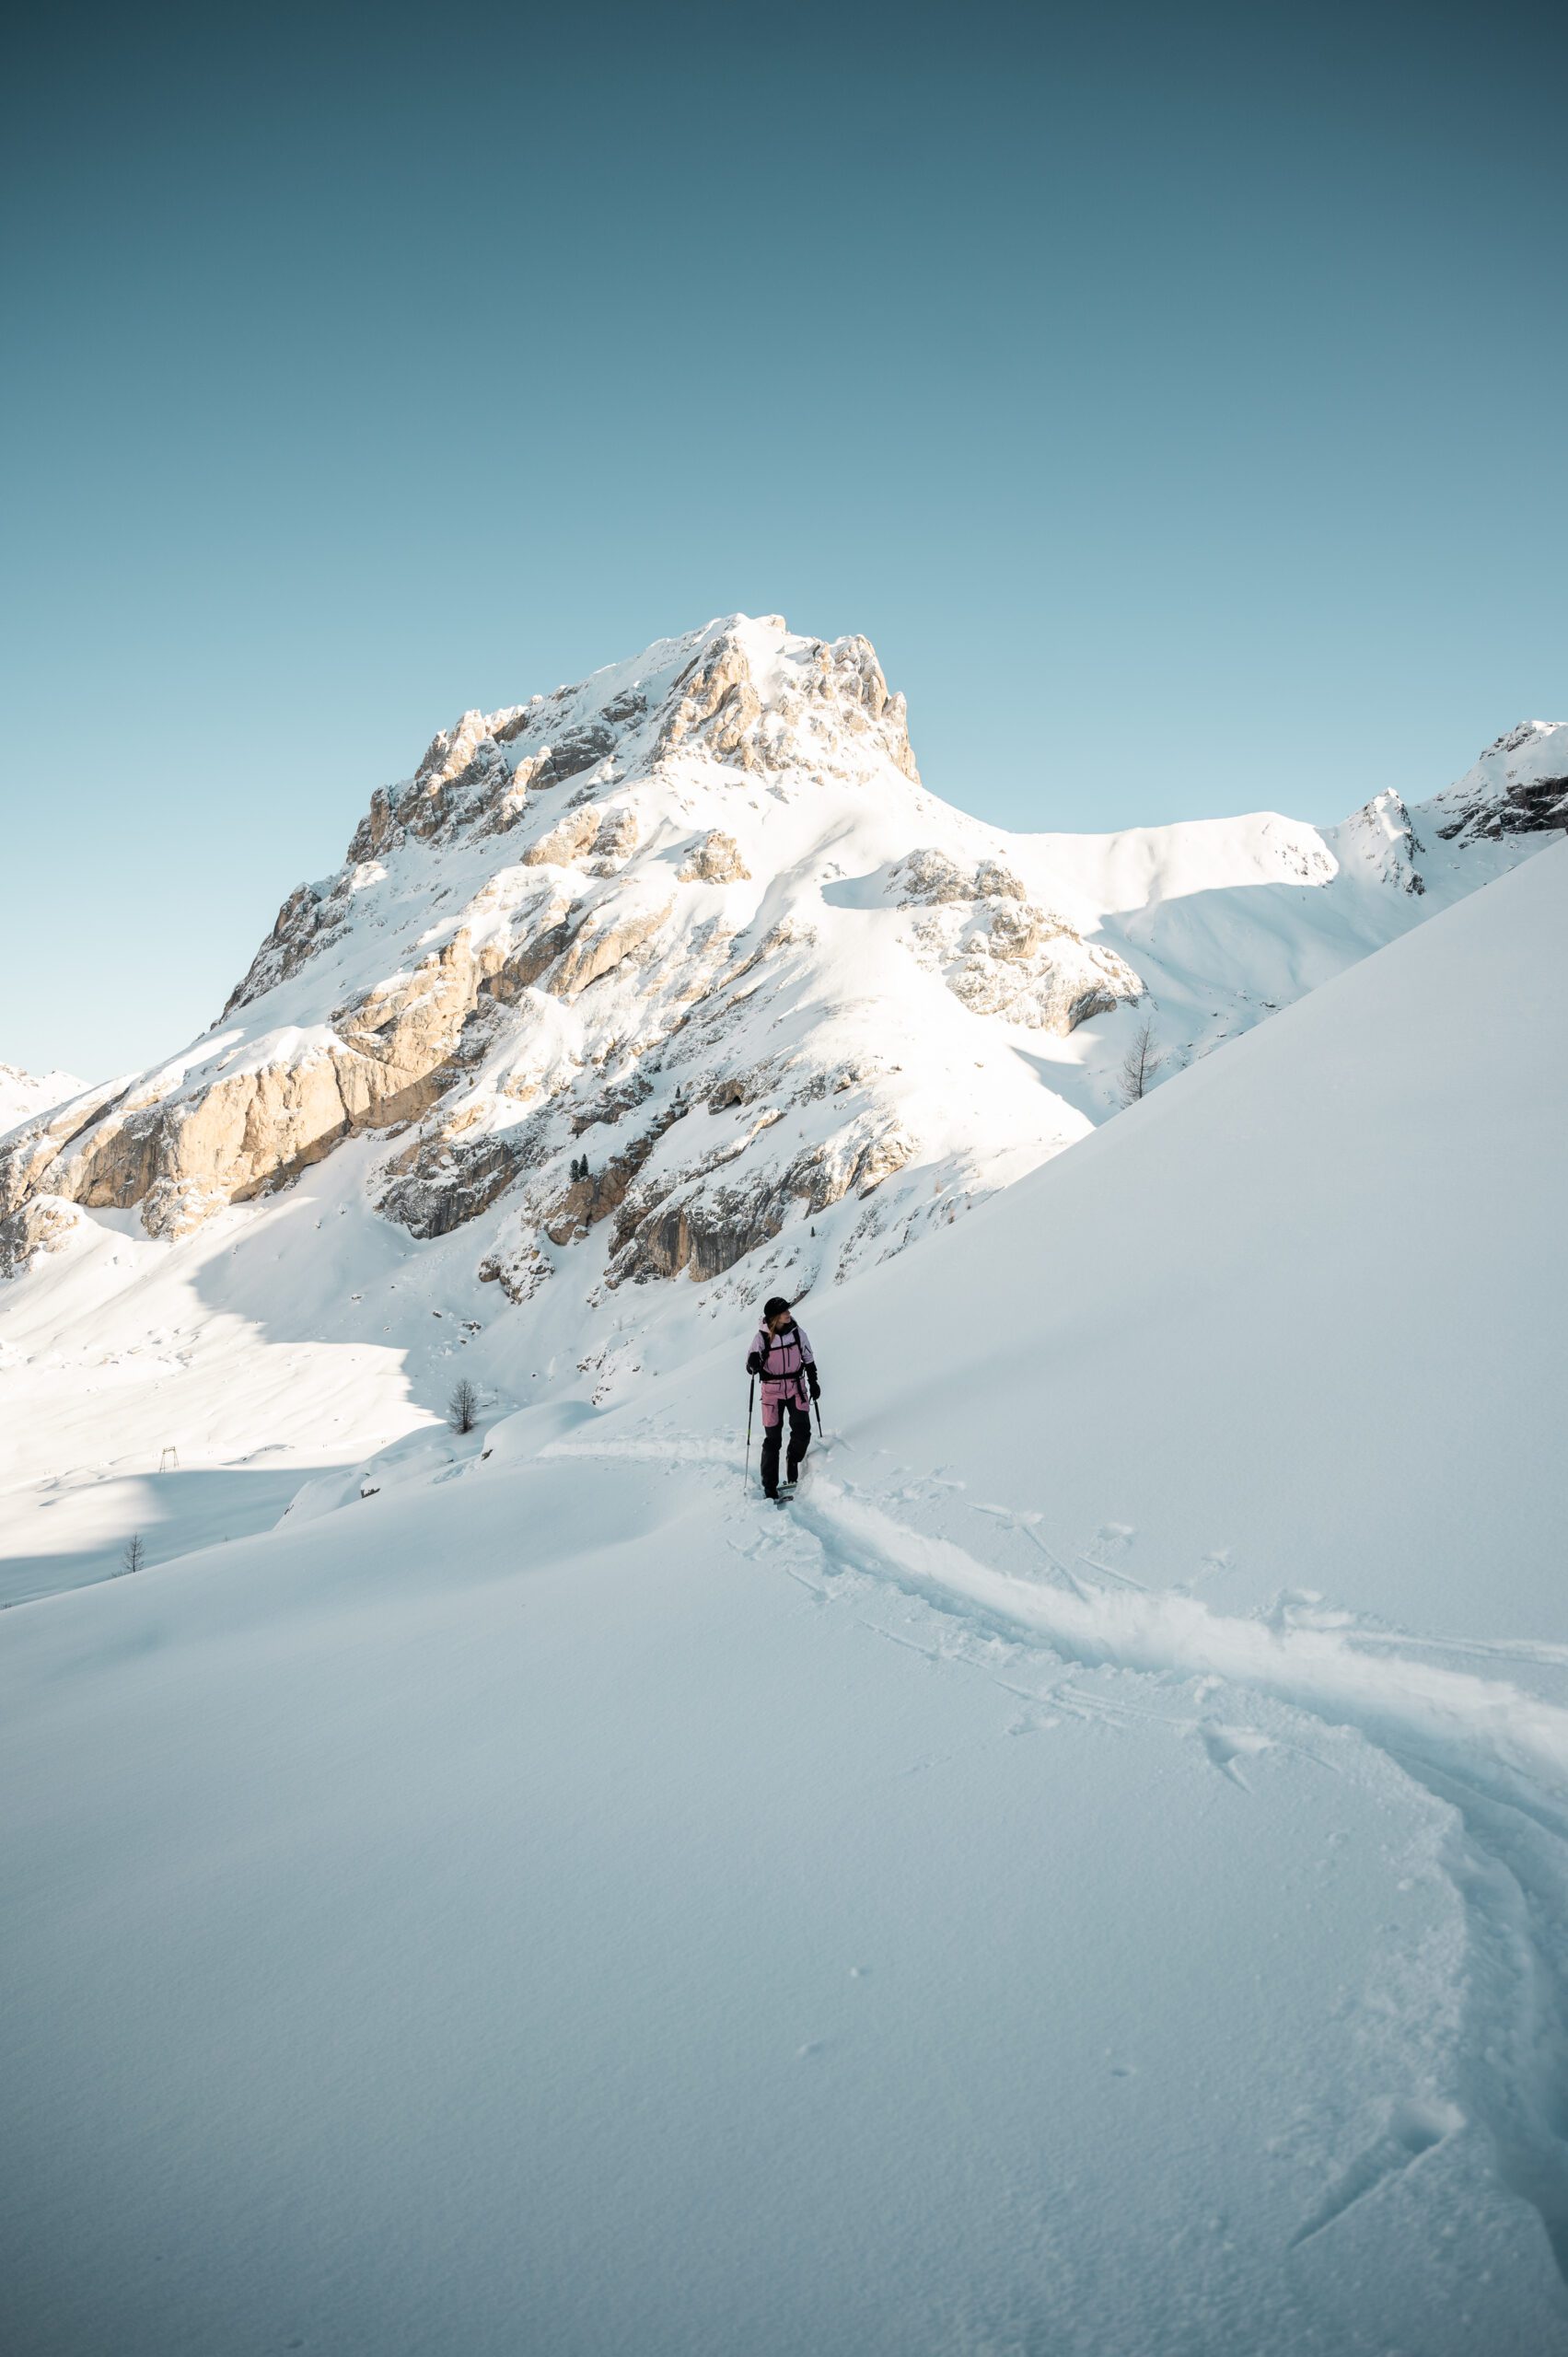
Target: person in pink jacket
(781, 1356)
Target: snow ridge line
(1495, 1757)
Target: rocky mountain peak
(681, 968)
(605, 833)
(742, 693)
(1518, 786)
(1382, 835)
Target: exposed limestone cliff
(715, 859)
(312, 1048)
(709, 879)
(1001, 954)
(43, 1224)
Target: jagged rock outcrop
(440, 1182)
(715, 859)
(181, 1161)
(313, 1048)
(44, 1225)
(615, 840)
(614, 1103)
(1382, 835)
(605, 938)
(28, 1151)
(819, 712)
(567, 841)
(308, 912)
(1518, 786)
(929, 877)
(1003, 955)
(596, 1193)
(182, 1154)
(393, 1048)
(702, 1225)
(707, 879)
(720, 707)
(609, 836)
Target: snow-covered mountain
(1092, 1876)
(678, 974)
(25, 1094)
(711, 878)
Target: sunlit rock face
(1518, 786)
(683, 965)
(571, 916)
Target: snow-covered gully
(1496, 1755)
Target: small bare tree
(462, 1408)
(134, 1555)
(1139, 1065)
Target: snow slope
(637, 1002)
(25, 1094)
(1092, 1876)
(1314, 1277)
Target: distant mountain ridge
(25, 1094)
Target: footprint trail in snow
(1493, 1755)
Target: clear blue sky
(1176, 396)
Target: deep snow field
(1089, 1876)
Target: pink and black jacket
(784, 1359)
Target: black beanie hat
(771, 1309)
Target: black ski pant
(799, 1441)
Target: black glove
(754, 1364)
(811, 1379)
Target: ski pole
(751, 1396)
(821, 1434)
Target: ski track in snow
(1493, 1755)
